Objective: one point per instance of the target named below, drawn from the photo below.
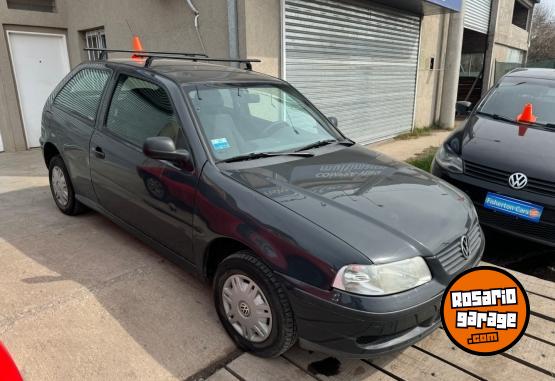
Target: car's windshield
(239, 120)
(513, 93)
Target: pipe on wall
(197, 15)
(233, 32)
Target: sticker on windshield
(220, 144)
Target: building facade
(377, 65)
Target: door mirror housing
(163, 148)
(333, 120)
(463, 107)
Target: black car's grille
(452, 259)
(543, 231)
(502, 177)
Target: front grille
(451, 258)
(543, 231)
(497, 176)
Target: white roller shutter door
(355, 61)
(477, 14)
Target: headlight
(449, 160)
(383, 279)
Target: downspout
(233, 32)
(197, 15)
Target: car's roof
(188, 72)
(537, 73)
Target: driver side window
(140, 110)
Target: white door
(40, 61)
(356, 61)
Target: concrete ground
(405, 149)
(81, 299)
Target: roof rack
(151, 56)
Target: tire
(283, 330)
(58, 177)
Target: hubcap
(247, 308)
(59, 185)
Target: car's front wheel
(62, 189)
(253, 306)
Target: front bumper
(477, 190)
(346, 333)
(354, 326)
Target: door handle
(99, 153)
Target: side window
(140, 110)
(83, 92)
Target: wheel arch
(50, 151)
(219, 249)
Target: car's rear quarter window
(83, 92)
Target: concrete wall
(260, 34)
(429, 82)
(504, 35)
(161, 24)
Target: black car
(503, 156)
(236, 176)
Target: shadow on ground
(520, 255)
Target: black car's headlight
(384, 279)
(449, 160)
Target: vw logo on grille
(465, 247)
(518, 180)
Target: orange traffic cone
(527, 115)
(137, 47)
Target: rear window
(512, 94)
(83, 92)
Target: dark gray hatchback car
(236, 176)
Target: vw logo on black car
(518, 181)
(465, 247)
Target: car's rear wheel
(253, 306)
(62, 189)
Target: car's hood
(509, 147)
(385, 209)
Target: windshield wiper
(497, 117)
(261, 155)
(322, 143)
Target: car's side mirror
(163, 148)
(333, 120)
(463, 107)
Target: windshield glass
(511, 95)
(242, 119)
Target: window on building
(82, 94)
(520, 15)
(95, 39)
(141, 110)
(33, 5)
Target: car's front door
(141, 191)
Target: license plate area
(513, 207)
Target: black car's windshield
(239, 120)
(509, 98)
